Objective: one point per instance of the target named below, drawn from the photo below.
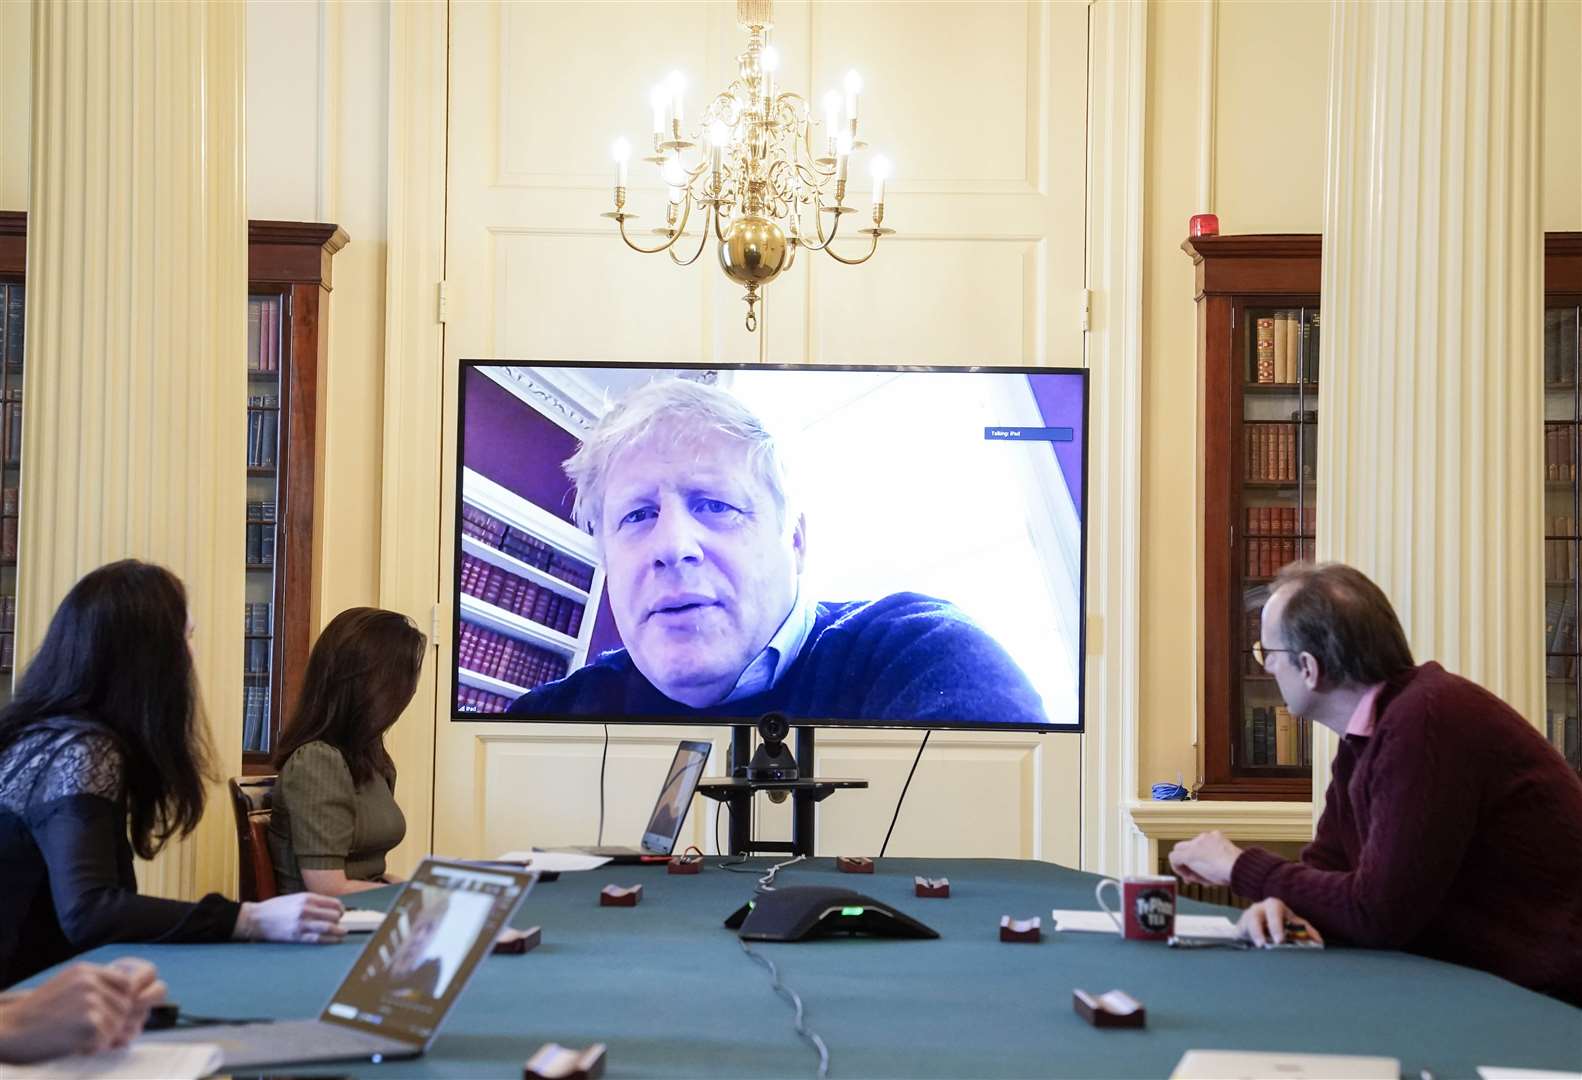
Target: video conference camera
(773, 760)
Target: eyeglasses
(1261, 654)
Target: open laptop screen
(413, 967)
(675, 797)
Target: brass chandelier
(764, 169)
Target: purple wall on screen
(1059, 399)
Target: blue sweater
(901, 659)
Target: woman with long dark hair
(103, 754)
(335, 816)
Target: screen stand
(805, 791)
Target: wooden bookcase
(13, 265)
(289, 278)
(1260, 496)
(1562, 491)
(289, 282)
(1238, 280)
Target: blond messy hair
(669, 412)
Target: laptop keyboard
(289, 1041)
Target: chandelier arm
(872, 247)
(674, 235)
(813, 176)
(703, 238)
(718, 232)
(818, 224)
(642, 250)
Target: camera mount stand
(754, 772)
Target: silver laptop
(670, 809)
(393, 1000)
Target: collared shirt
(770, 665)
(1361, 722)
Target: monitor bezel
(1079, 728)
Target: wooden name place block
(1025, 930)
(1116, 1009)
(936, 887)
(516, 942)
(685, 864)
(615, 896)
(555, 1062)
(854, 864)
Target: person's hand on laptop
(84, 1009)
(296, 917)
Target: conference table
(670, 991)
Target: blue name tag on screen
(1030, 434)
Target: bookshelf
(288, 292)
(1562, 491)
(13, 291)
(1260, 447)
(288, 303)
(1258, 332)
(527, 588)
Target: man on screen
(685, 494)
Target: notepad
(178, 1061)
(554, 862)
(1217, 927)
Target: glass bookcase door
(266, 337)
(1279, 433)
(12, 307)
(1562, 509)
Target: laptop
(395, 997)
(670, 809)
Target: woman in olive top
(335, 815)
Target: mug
(1148, 906)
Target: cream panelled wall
(1263, 84)
(983, 108)
(133, 441)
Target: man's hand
(1270, 922)
(1206, 859)
(144, 984)
(83, 1010)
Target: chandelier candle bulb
(853, 91)
(659, 99)
(832, 119)
(842, 158)
(678, 86)
(881, 171)
(621, 151)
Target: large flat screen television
(872, 547)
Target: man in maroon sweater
(1451, 828)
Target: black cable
(603, 758)
(902, 799)
(791, 996)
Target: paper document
(1505, 1072)
(1256, 1065)
(358, 921)
(1097, 922)
(555, 862)
(141, 1060)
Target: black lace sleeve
(79, 824)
